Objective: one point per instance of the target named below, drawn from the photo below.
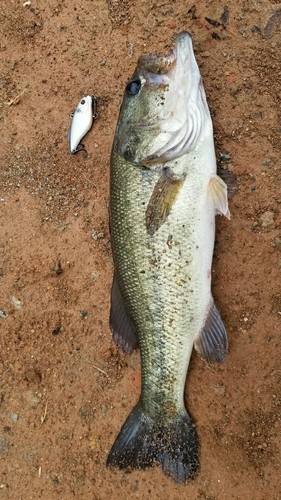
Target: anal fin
(212, 341)
(122, 327)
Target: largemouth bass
(164, 194)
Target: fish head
(164, 110)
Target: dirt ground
(65, 389)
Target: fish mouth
(164, 64)
(158, 64)
(182, 41)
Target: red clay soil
(65, 388)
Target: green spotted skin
(164, 278)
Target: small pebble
(14, 417)
(225, 157)
(277, 243)
(16, 303)
(2, 314)
(56, 330)
(266, 162)
(83, 314)
(57, 267)
(267, 219)
(96, 235)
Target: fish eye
(83, 101)
(133, 87)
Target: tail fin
(143, 442)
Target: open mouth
(158, 64)
(182, 40)
(162, 64)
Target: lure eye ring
(133, 87)
(82, 101)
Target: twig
(100, 370)
(16, 99)
(45, 414)
(86, 178)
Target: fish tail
(144, 442)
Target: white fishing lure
(82, 120)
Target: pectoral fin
(218, 190)
(162, 200)
(123, 330)
(212, 341)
